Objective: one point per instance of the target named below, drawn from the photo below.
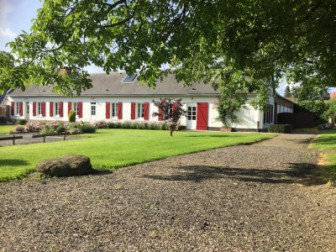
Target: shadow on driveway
(297, 171)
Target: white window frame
(114, 110)
(56, 108)
(17, 108)
(93, 110)
(39, 109)
(140, 112)
(75, 107)
(191, 113)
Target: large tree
(213, 41)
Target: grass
(110, 149)
(5, 129)
(326, 143)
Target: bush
(101, 125)
(22, 122)
(19, 129)
(72, 116)
(280, 128)
(3, 120)
(87, 128)
(33, 127)
(47, 131)
(60, 129)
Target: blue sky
(17, 15)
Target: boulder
(68, 165)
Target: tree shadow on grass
(13, 162)
(294, 174)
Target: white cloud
(6, 8)
(7, 33)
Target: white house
(118, 97)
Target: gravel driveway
(243, 198)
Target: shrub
(280, 128)
(72, 116)
(3, 120)
(60, 129)
(111, 125)
(20, 129)
(33, 127)
(164, 126)
(47, 131)
(126, 125)
(22, 122)
(87, 128)
(101, 125)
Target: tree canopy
(213, 41)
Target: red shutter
(51, 109)
(12, 108)
(146, 110)
(80, 109)
(133, 110)
(43, 107)
(69, 106)
(108, 110)
(160, 115)
(119, 110)
(34, 108)
(202, 116)
(21, 108)
(61, 109)
(175, 108)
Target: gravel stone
(242, 198)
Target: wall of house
(248, 116)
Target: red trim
(120, 110)
(108, 110)
(61, 109)
(51, 109)
(12, 108)
(133, 105)
(160, 115)
(69, 106)
(43, 108)
(175, 107)
(34, 108)
(202, 116)
(146, 110)
(21, 108)
(80, 109)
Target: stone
(68, 165)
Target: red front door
(202, 116)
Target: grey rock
(68, 165)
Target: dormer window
(129, 79)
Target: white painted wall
(248, 116)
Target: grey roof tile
(113, 85)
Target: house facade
(118, 97)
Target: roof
(113, 85)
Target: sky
(17, 15)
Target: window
(268, 114)
(27, 107)
(75, 107)
(39, 108)
(93, 108)
(191, 113)
(56, 108)
(114, 109)
(140, 110)
(17, 108)
(129, 79)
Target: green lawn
(326, 143)
(5, 129)
(110, 149)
